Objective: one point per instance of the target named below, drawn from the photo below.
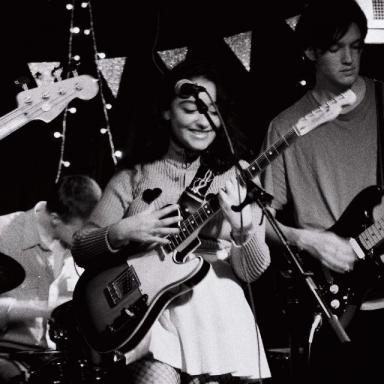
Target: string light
(57, 135)
(106, 106)
(101, 88)
(119, 154)
(70, 7)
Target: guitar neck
(372, 236)
(270, 154)
(193, 223)
(211, 206)
(12, 122)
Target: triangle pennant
(46, 72)
(241, 46)
(292, 21)
(173, 57)
(112, 69)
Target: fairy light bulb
(103, 131)
(118, 154)
(66, 164)
(57, 135)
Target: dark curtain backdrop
(39, 31)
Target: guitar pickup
(121, 286)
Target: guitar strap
(380, 135)
(199, 185)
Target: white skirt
(210, 331)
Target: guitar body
(117, 306)
(344, 292)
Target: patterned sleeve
(91, 242)
(250, 259)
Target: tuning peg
(22, 81)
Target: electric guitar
(117, 305)
(344, 292)
(47, 101)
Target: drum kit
(72, 362)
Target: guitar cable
(317, 321)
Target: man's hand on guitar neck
(148, 227)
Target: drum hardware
(12, 274)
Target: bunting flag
(292, 21)
(112, 70)
(173, 57)
(46, 72)
(241, 46)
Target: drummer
(42, 274)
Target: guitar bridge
(130, 317)
(126, 282)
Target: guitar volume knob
(334, 288)
(335, 304)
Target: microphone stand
(203, 109)
(262, 198)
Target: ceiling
(39, 29)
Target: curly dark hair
(151, 142)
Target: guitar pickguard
(344, 292)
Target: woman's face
(191, 129)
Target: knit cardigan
(122, 197)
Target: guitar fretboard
(193, 222)
(211, 206)
(373, 235)
(206, 211)
(270, 154)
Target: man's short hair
(324, 22)
(73, 196)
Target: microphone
(185, 88)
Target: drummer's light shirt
(50, 277)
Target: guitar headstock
(326, 112)
(48, 101)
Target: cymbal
(12, 274)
